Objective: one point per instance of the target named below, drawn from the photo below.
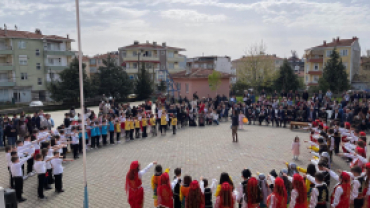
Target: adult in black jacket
(305, 95)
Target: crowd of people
(44, 147)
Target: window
(51, 61)
(22, 59)
(24, 76)
(315, 78)
(171, 65)
(37, 52)
(148, 54)
(187, 87)
(93, 69)
(51, 75)
(131, 76)
(163, 52)
(39, 81)
(196, 65)
(92, 61)
(344, 52)
(306, 78)
(134, 65)
(345, 65)
(134, 53)
(124, 54)
(307, 68)
(316, 67)
(53, 46)
(178, 86)
(170, 54)
(38, 66)
(22, 44)
(328, 53)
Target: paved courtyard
(206, 151)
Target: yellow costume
(155, 182)
(174, 122)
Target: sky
(209, 27)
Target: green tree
(162, 86)
(334, 75)
(214, 80)
(143, 85)
(286, 78)
(67, 87)
(113, 80)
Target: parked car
(36, 103)
(132, 96)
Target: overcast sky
(212, 27)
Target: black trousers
(30, 165)
(40, 188)
(163, 128)
(336, 144)
(144, 134)
(174, 129)
(111, 137)
(50, 179)
(64, 152)
(104, 139)
(127, 134)
(358, 203)
(11, 179)
(118, 136)
(137, 132)
(260, 119)
(80, 145)
(95, 141)
(75, 150)
(18, 183)
(58, 182)
(132, 134)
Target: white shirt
(75, 139)
(355, 183)
(16, 168)
(338, 193)
(40, 167)
(143, 171)
(50, 152)
(8, 159)
(314, 195)
(56, 163)
(212, 187)
(293, 198)
(48, 164)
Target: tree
(334, 75)
(143, 84)
(256, 68)
(214, 80)
(68, 85)
(287, 79)
(113, 80)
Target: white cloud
(192, 16)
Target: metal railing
(5, 48)
(6, 64)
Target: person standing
(1, 131)
(234, 125)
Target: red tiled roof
(29, 35)
(105, 56)
(340, 42)
(264, 56)
(315, 72)
(198, 73)
(149, 45)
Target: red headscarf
(346, 186)
(133, 186)
(362, 134)
(347, 125)
(280, 193)
(195, 197)
(252, 185)
(226, 196)
(300, 186)
(361, 151)
(164, 192)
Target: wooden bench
(297, 123)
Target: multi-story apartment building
(158, 59)
(361, 81)
(97, 61)
(316, 58)
(28, 60)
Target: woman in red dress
(278, 198)
(195, 197)
(164, 192)
(298, 197)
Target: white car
(36, 103)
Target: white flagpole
(82, 101)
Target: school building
(28, 60)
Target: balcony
(6, 50)
(316, 60)
(315, 72)
(6, 66)
(59, 52)
(153, 59)
(313, 84)
(56, 67)
(6, 83)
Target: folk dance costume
(345, 133)
(319, 195)
(176, 185)
(278, 199)
(266, 191)
(208, 193)
(156, 181)
(184, 192)
(195, 196)
(354, 182)
(342, 192)
(133, 185)
(144, 123)
(298, 195)
(252, 194)
(164, 192)
(226, 198)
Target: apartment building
(316, 58)
(28, 60)
(158, 59)
(97, 61)
(361, 81)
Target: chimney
(324, 43)
(155, 43)
(147, 42)
(67, 36)
(38, 31)
(5, 31)
(136, 42)
(333, 40)
(164, 44)
(338, 39)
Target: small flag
(86, 198)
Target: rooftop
(148, 45)
(336, 42)
(198, 73)
(5, 33)
(266, 56)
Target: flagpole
(86, 201)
